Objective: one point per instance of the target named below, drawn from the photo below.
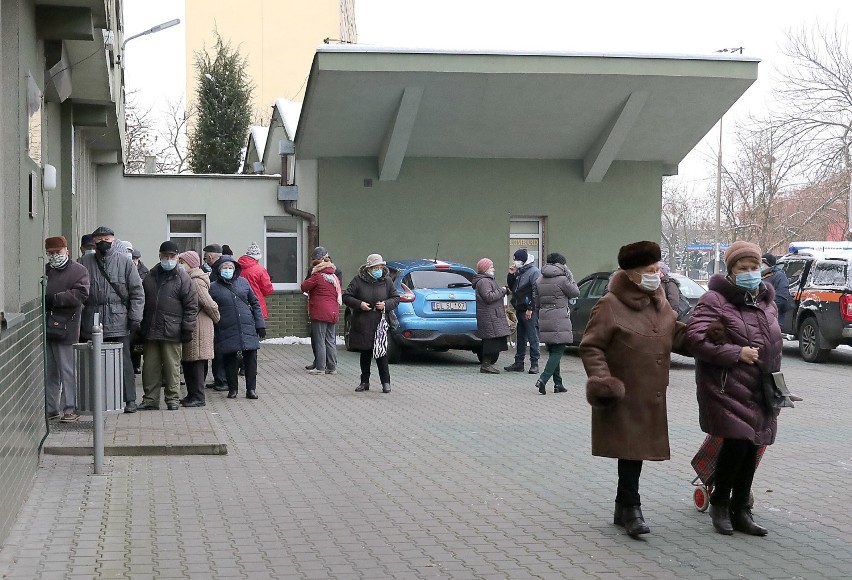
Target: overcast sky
(155, 65)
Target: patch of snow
(258, 135)
(289, 111)
(294, 340)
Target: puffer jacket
(66, 291)
(779, 282)
(259, 280)
(201, 346)
(171, 305)
(490, 312)
(555, 288)
(729, 390)
(322, 289)
(239, 311)
(365, 288)
(522, 286)
(116, 312)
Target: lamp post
(151, 30)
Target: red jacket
(258, 278)
(322, 288)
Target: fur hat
(739, 250)
(522, 255)
(169, 247)
(769, 259)
(484, 265)
(604, 391)
(253, 251)
(55, 243)
(191, 258)
(374, 260)
(319, 253)
(638, 255)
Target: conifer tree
(223, 110)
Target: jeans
(61, 379)
(324, 343)
(127, 361)
(195, 373)
(527, 332)
(734, 473)
(250, 366)
(381, 363)
(629, 471)
(551, 369)
(161, 371)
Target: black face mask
(103, 246)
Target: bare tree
(685, 219)
(171, 139)
(139, 134)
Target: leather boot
(517, 367)
(489, 369)
(386, 387)
(365, 386)
(559, 388)
(533, 369)
(232, 393)
(618, 514)
(633, 520)
(742, 521)
(719, 513)
(540, 386)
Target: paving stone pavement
(454, 474)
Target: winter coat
(779, 282)
(142, 269)
(521, 284)
(322, 289)
(555, 288)
(239, 311)
(201, 346)
(490, 312)
(365, 288)
(171, 305)
(116, 312)
(729, 390)
(259, 280)
(66, 291)
(626, 351)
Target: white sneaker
(316, 372)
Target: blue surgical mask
(748, 280)
(376, 274)
(90, 252)
(181, 266)
(206, 267)
(227, 273)
(168, 265)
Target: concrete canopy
(396, 103)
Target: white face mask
(57, 260)
(518, 264)
(490, 272)
(650, 282)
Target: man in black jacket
(773, 275)
(171, 309)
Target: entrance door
(525, 232)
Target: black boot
(386, 387)
(517, 367)
(364, 386)
(618, 514)
(721, 518)
(540, 386)
(232, 393)
(559, 388)
(633, 521)
(533, 369)
(251, 394)
(742, 521)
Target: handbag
(775, 394)
(380, 342)
(56, 327)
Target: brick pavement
(453, 475)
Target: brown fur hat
(638, 255)
(55, 243)
(604, 391)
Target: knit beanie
(253, 251)
(191, 258)
(556, 258)
(769, 259)
(484, 265)
(638, 255)
(522, 255)
(739, 250)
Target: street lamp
(152, 30)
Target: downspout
(291, 209)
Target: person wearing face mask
(169, 320)
(240, 327)
(368, 295)
(87, 245)
(212, 252)
(324, 300)
(555, 288)
(116, 294)
(491, 323)
(626, 352)
(774, 276)
(66, 291)
(521, 279)
(735, 338)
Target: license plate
(449, 306)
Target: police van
(821, 318)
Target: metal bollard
(98, 380)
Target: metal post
(98, 385)
(718, 203)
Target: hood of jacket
(554, 270)
(198, 273)
(324, 267)
(364, 275)
(736, 295)
(632, 295)
(248, 262)
(214, 275)
(478, 277)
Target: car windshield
(689, 287)
(439, 279)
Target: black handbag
(56, 327)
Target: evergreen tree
(223, 110)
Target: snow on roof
(258, 134)
(289, 111)
(530, 52)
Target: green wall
(465, 205)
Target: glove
(48, 301)
(186, 336)
(133, 326)
(261, 332)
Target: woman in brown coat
(491, 323)
(199, 350)
(626, 351)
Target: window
(282, 252)
(438, 279)
(525, 233)
(832, 274)
(187, 231)
(793, 269)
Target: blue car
(437, 310)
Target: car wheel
(347, 328)
(394, 351)
(809, 342)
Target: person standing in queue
(491, 323)
(521, 280)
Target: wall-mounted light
(48, 182)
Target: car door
(592, 288)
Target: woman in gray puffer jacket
(554, 289)
(491, 323)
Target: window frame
(283, 286)
(202, 218)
